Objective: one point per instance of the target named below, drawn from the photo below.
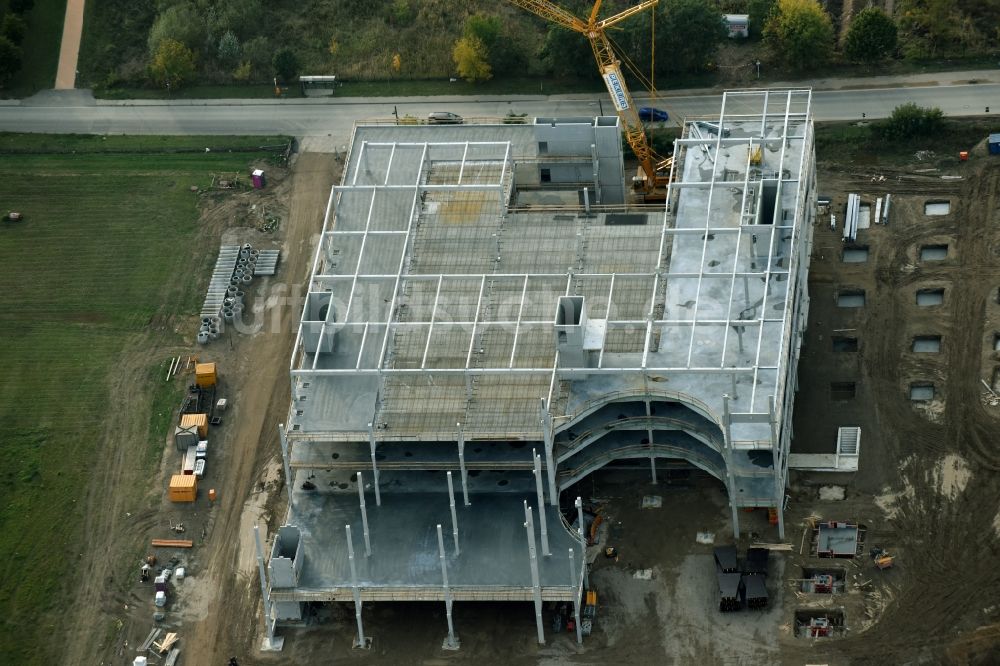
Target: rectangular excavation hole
(934, 208)
(927, 344)
(996, 342)
(929, 297)
(818, 623)
(933, 253)
(842, 390)
(823, 580)
(855, 255)
(921, 392)
(844, 344)
(851, 298)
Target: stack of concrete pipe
(232, 302)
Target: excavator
(654, 171)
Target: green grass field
(98, 255)
(856, 143)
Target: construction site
(517, 414)
(520, 390)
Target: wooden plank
(173, 543)
(773, 546)
(154, 633)
(172, 657)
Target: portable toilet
(257, 176)
(205, 374)
(994, 144)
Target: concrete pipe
(233, 282)
(216, 321)
(206, 320)
(247, 247)
(237, 307)
(247, 278)
(214, 336)
(240, 294)
(203, 337)
(227, 314)
(228, 302)
(254, 254)
(244, 254)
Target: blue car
(648, 113)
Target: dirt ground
(213, 608)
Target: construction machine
(654, 171)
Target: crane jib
(613, 80)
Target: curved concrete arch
(570, 476)
(643, 395)
(638, 423)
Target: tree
(470, 60)
(286, 64)
(14, 28)
(181, 23)
(229, 48)
(21, 6)
(909, 120)
(759, 11)
(397, 63)
(688, 35)
(257, 52)
(502, 50)
(173, 63)
(10, 59)
(871, 37)
(568, 53)
(799, 33)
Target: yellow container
(183, 488)
(199, 421)
(205, 374)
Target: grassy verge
(41, 49)
(862, 144)
(115, 143)
(95, 259)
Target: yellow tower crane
(654, 170)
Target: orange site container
(200, 421)
(204, 374)
(183, 488)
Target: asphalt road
(77, 113)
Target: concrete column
(727, 448)
(454, 515)
(529, 526)
(364, 514)
(779, 467)
(371, 444)
(583, 539)
(576, 596)
(461, 465)
(451, 641)
(360, 641)
(550, 464)
(652, 467)
(284, 458)
(541, 503)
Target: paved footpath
(69, 51)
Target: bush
(286, 65)
(799, 33)
(14, 28)
(909, 120)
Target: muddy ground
(927, 489)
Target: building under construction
(488, 321)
